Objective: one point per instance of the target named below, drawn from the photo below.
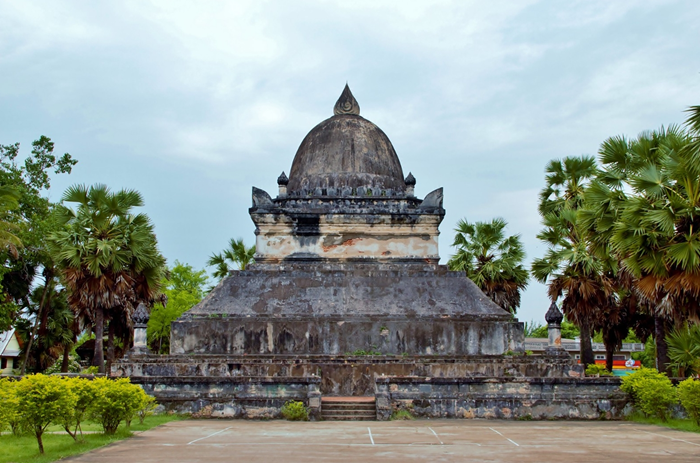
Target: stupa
(346, 261)
(347, 298)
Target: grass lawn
(25, 449)
(681, 425)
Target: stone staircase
(348, 409)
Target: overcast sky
(193, 103)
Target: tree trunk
(44, 311)
(66, 357)
(587, 357)
(98, 358)
(609, 351)
(40, 442)
(110, 345)
(34, 331)
(73, 434)
(662, 361)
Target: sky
(193, 103)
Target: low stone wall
(347, 375)
(505, 398)
(231, 397)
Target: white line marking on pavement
(210, 435)
(672, 438)
(370, 435)
(438, 438)
(511, 441)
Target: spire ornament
(346, 104)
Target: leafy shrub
(85, 392)
(43, 400)
(655, 396)
(8, 411)
(148, 405)
(652, 392)
(115, 400)
(295, 411)
(91, 370)
(633, 382)
(145, 406)
(402, 415)
(597, 370)
(689, 394)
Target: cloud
(193, 103)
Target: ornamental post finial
(346, 104)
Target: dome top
(346, 151)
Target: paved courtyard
(406, 441)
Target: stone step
(349, 412)
(348, 418)
(348, 406)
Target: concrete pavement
(210, 441)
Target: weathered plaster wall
(346, 236)
(334, 335)
(243, 397)
(505, 398)
(346, 375)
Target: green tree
(570, 266)
(184, 288)
(58, 335)
(31, 222)
(9, 243)
(491, 260)
(43, 400)
(568, 330)
(108, 257)
(235, 255)
(9, 200)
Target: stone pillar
(554, 317)
(382, 399)
(140, 318)
(314, 400)
(282, 182)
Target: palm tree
(684, 349)
(574, 273)
(491, 260)
(566, 181)
(573, 266)
(236, 254)
(652, 186)
(108, 256)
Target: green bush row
(653, 394)
(35, 402)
